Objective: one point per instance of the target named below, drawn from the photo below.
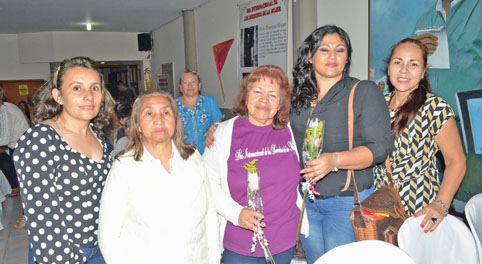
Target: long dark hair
(47, 107)
(25, 109)
(305, 89)
(406, 113)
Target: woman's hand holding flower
(248, 219)
(320, 167)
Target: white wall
(169, 47)
(352, 16)
(27, 55)
(117, 46)
(10, 66)
(217, 21)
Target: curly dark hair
(305, 89)
(416, 98)
(48, 108)
(277, 75)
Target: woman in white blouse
(170, 219)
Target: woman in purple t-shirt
(259, 132)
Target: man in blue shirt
(198, 112)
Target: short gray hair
(191, 72)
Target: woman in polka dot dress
(62, 165)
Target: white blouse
(150, 216)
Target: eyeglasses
(190, 82)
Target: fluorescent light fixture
(89, 26)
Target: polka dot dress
(60, 190)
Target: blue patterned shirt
(196, 122)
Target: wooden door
(20, 90)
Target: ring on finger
(434, 219)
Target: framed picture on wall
(470, 109)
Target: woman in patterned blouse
(62, 163)
(198, 112)
(422, 123)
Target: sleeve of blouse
(113, 209)
(374, 120)
(35, 161)
(212, 157)
(212, 224)
(441, 112)
(3, 126)
(214, 110)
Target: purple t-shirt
(279, 172)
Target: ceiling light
(89, 26)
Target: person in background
(24, 107)
(426, 122)
(321, 90)
(26, 112)
(62, 163)
(12, 125)
(127, 95)
(258, 133)
(122, 142)
(198, 112)
(172, 218)
(122, 113)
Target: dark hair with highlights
(135, 144)
(305, 90)
(416, 98)
(275, 74)
(48, 108)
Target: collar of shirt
(336, 90)
(175, 157)
(439, 7)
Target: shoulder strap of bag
(389, 169)
(350, 173)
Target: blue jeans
(230, 257)
(330, 225)
(94, 256)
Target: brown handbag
(382, 213)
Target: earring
(60, 103)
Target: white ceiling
(24, 16)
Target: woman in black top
(321, 90)
(62, 165)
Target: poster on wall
(166, 79)
(452, 34)
(263, 34)
(454, 63)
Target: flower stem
(300, 220)
(270, 256)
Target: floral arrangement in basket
(256, 203)
(312, 148)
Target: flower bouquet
(256, 203)
(311, 150)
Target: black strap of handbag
(350, 173)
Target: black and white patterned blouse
(60, 190)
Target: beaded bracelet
(444, 206)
